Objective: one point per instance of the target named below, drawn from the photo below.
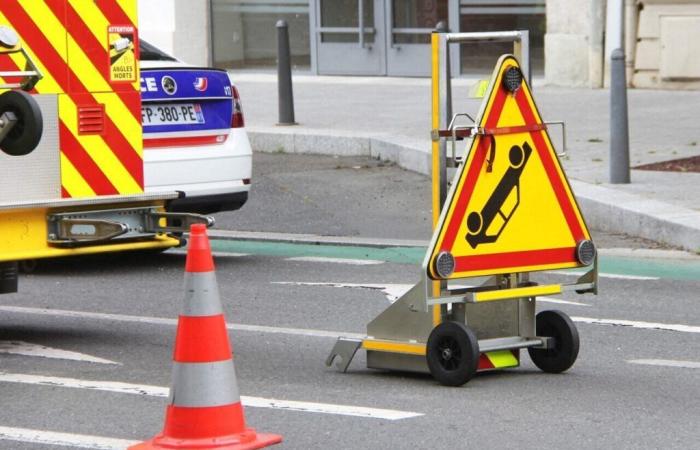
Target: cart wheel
(452, 353)
(26, 134)
(559, 326)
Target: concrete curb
(401, 151)
(612, 210)
(605, 208)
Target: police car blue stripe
(209, 91)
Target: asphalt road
(348, 196)
(634, 385)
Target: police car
(193, 134)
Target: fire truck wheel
(452, 353)
(26, 134)
(559, 326)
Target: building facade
(567, 37)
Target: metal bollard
(619, 126)
(284, 76)
(441, 27)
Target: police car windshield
(151, 53)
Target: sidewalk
(389, 118)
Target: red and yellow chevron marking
(70, 43)
(500, 359)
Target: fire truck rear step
(71, 229)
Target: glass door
(350, 37)
(410, 23)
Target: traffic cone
(205, 408)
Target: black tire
(28, 265)
(562, 356)
(26, 134)
(452, 353)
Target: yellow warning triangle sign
(510, 208)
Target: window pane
(244, 33)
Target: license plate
(172, 114)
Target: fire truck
(71, 142)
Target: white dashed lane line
(323, 259)
(63, 439)
(393, 291)
(254, 402)
(42, 351)
(666, 363)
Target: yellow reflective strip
(93, 18)
(435, 41)
(50, 26)
(478, 273)
(502, 358)
(72, 181)
(394, 347)
(435, 84)
(504, 294)
(129, 127)
(98, 150)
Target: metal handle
(453, 160)
(361, 21)
(390, 15)
(563, 135)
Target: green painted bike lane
(618, 265)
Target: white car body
(212, 168)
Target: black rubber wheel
(26, 134)
(28, 265)
(452, 353)
(559, 326)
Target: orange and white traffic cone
(205, 408)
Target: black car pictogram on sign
(478, 223)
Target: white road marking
(323, 259)
(254, 402)
(394, 291)
(606, 275)
(560, 301)
(636, 324)
(301, 331)
(29, 349)
(215, 254)
(666, 363)
(63, 439)
(173, 322)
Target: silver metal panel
(526, 309)
(506, 343)
(492, 319)
(397, 361)
(405, 319)
(38, 174)
(343, 352)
